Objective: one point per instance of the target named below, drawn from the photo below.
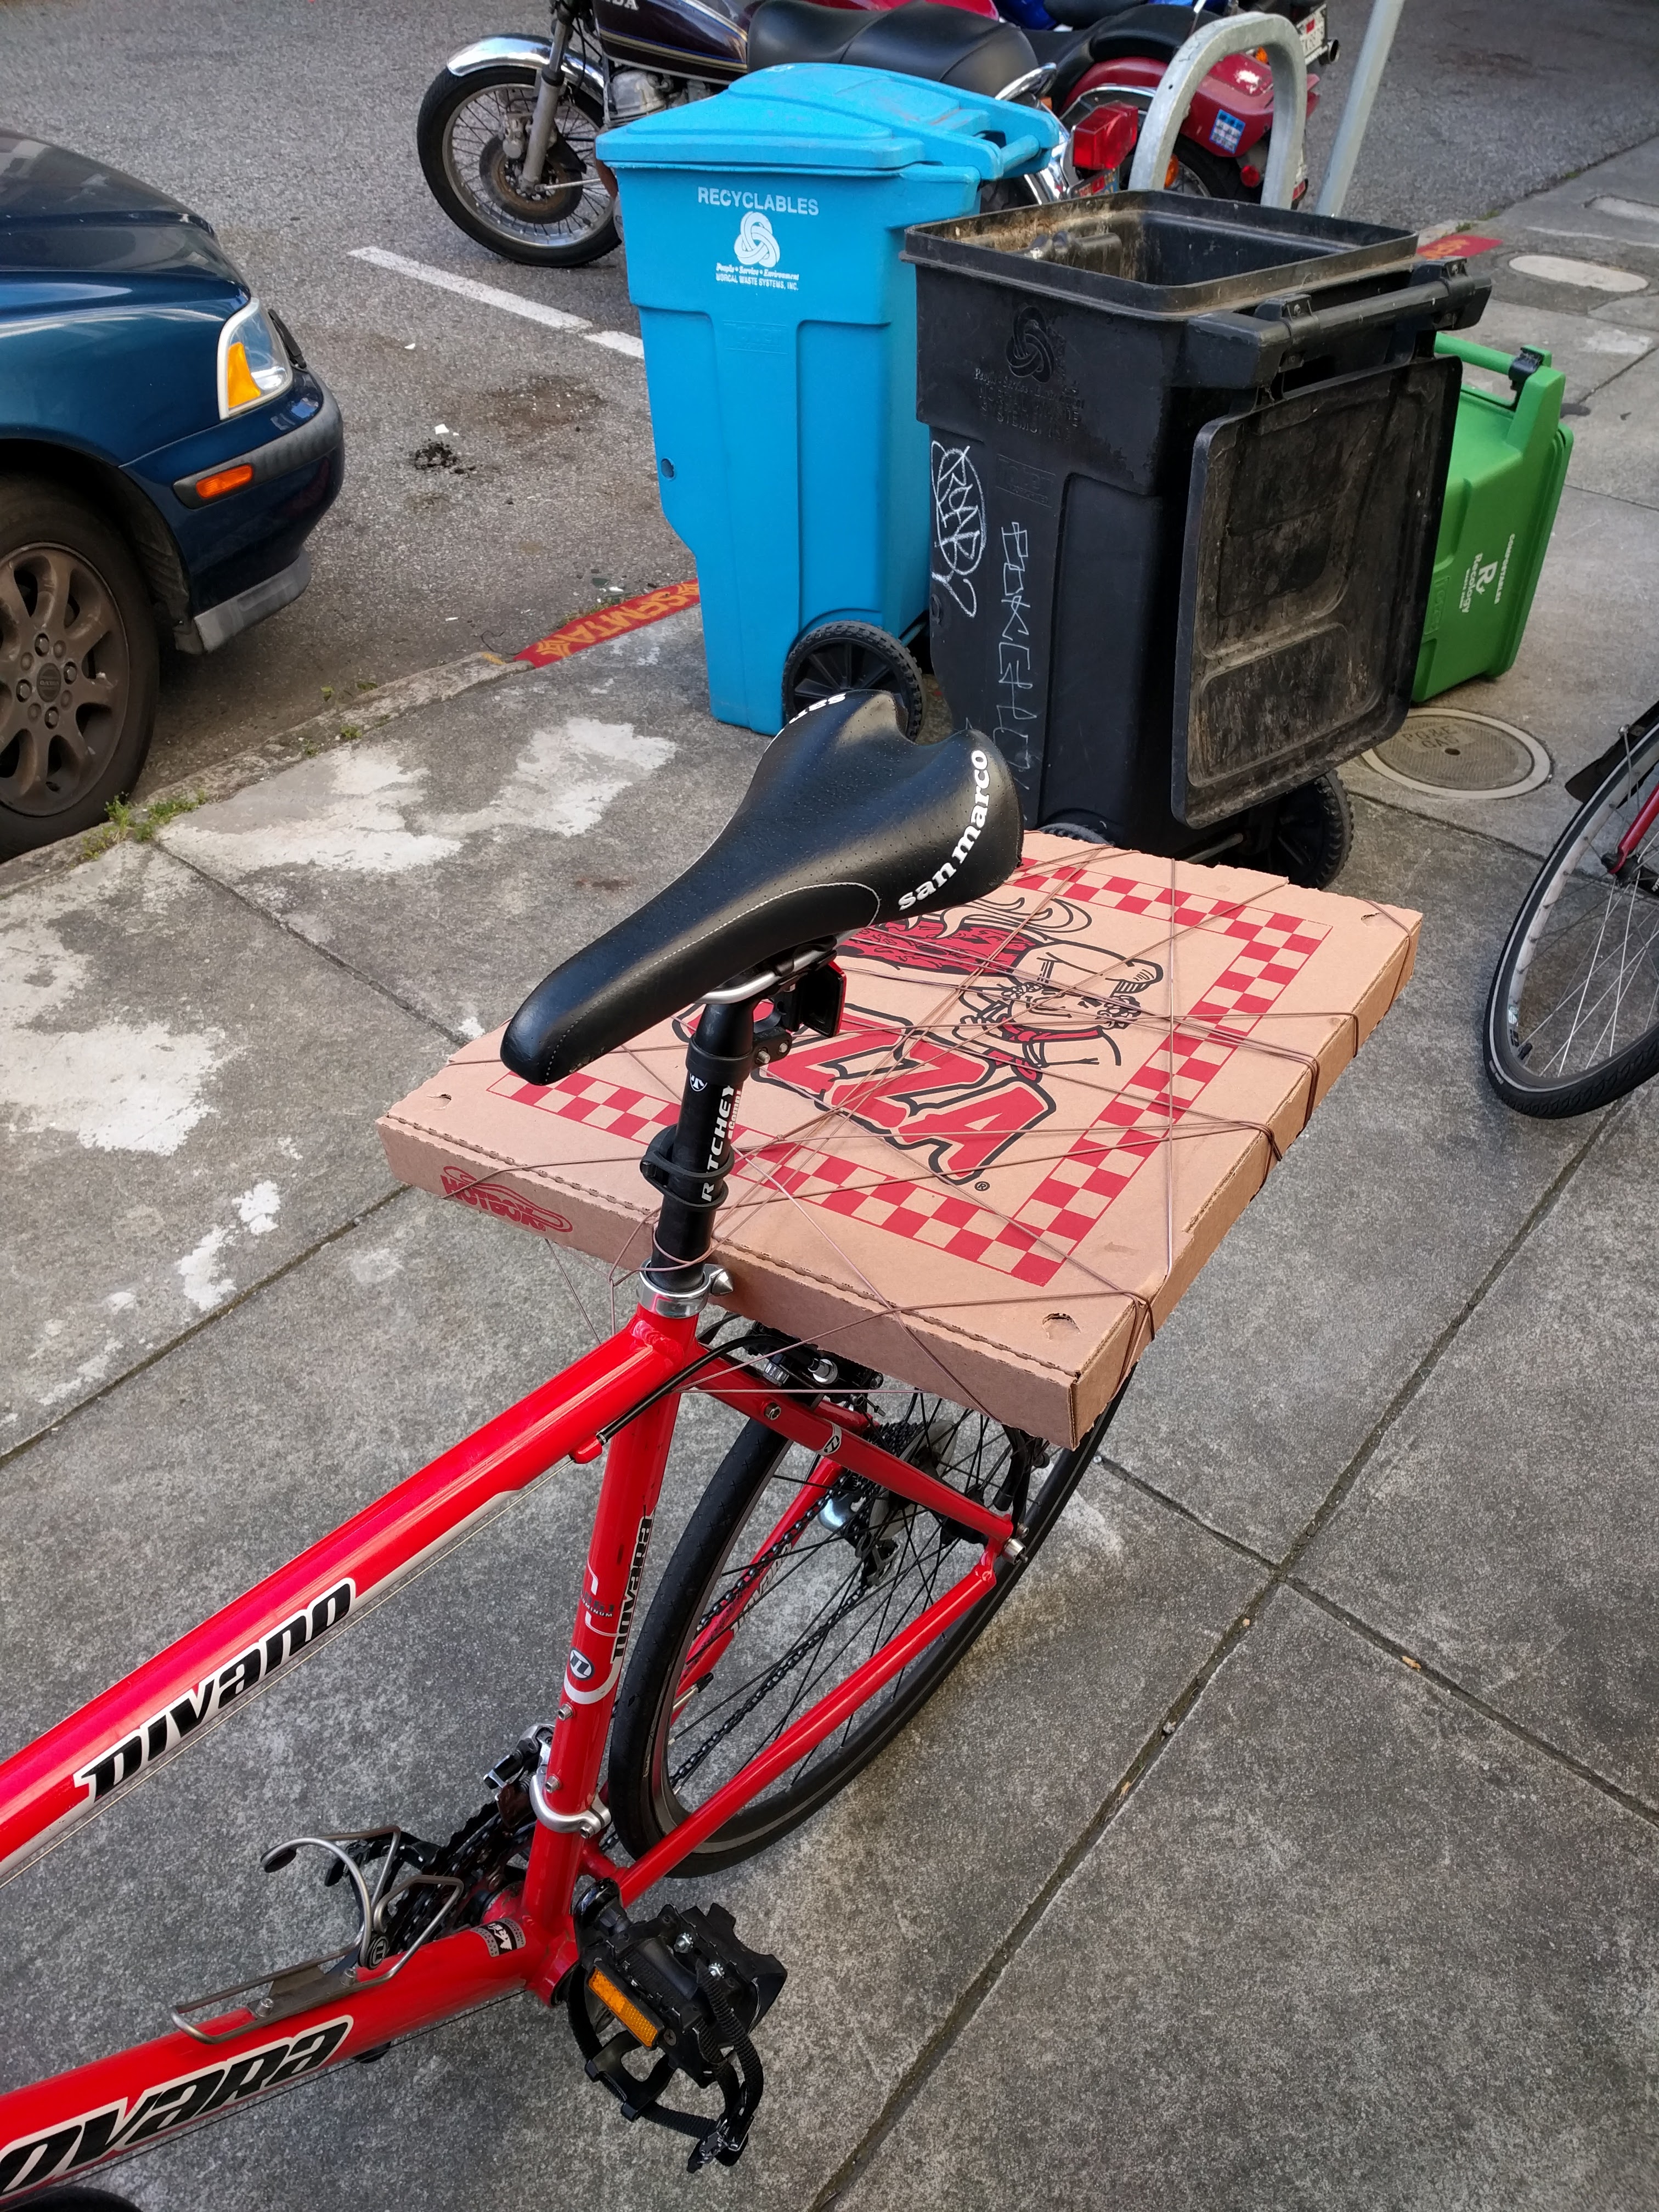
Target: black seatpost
(689, 1163)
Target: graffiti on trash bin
(1013, 733)
(959, 525)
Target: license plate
(1312, 28)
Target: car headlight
(253, 363)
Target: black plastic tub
(1188, 457)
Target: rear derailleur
(683, 1989)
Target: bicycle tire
(1507, 1049)
(644, 1805)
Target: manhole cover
(1451, 751)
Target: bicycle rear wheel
(779, 1588)
(1572, 1018)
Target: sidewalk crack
(1281, 1575)
(186, 1335)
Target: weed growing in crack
(137, 825)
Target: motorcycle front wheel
(471, 137)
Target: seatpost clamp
(683, 1304)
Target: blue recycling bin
(763, 228)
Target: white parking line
(492, 296)
(619, 341)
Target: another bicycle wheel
(779, 1589)
(1572, 1019)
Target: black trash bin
(1188, 463)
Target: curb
(322, 733)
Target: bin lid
(816, 117)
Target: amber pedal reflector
(617, 2000)
(224, 480)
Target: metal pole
(1374, 52)
(1230, 34)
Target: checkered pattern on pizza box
(1069, 1199)
(973, 1146)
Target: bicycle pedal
(685, 1990)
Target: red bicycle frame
(626, 1393)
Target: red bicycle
(853, 1542)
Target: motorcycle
(507, 130)
(1109, 60)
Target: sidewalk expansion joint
(1171, 1504)
(1280, 1574)
(944, 2037)
(427, 1019)
(1401, 805)
(1462, 1695)
(188, 1334)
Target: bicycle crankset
(683, 1987)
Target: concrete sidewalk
(1290, 1840)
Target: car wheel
(77, 666)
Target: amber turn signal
(224, 480)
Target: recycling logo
(1032, 349)
(756, 246)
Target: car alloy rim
(64, 677)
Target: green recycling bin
(1508, 464)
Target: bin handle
(1517, 366)
(1233, 34)
(1423, 298)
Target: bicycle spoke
(1584, 983)
(808, 1599)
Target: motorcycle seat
(846, 823)
(1158, 31)
(1089, 12)
(947, 46)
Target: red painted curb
(1455, 244)
(575, 636)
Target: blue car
(164, 453)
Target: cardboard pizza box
(1042, 1115)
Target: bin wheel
(1311, 834)
(852, 656)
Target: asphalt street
(291, 127)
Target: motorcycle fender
(529, 53)
(1237, 88)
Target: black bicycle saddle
(947, 46)
(846, 823)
